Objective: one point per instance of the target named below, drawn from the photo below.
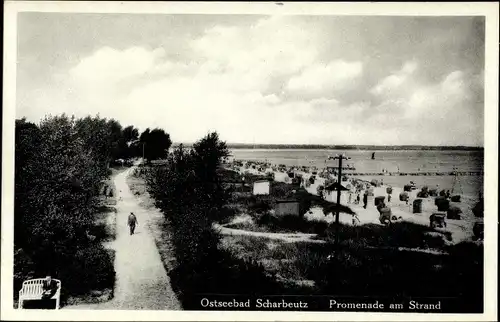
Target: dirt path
(141, 279)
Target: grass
(360, 271)
(104, 228)
(399, 234)
(138, 187)
(100, 294)
(366, 263)
(292, 224)
(290, 261)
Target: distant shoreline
(345, 147)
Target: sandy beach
(460, 230)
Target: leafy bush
(60, 168)
(399, 234)
(188, 189)
(259, 205)
(91, 269)
(292, 223)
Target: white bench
(32, 290)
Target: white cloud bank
(267, 83)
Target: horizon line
(256, 145)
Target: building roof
(286, 201)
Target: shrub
(292, 223)
(399, 234)
(60, 168)
(259, 205)
(188, 189)
(382, 272)
(91, 268)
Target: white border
(490, 10)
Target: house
(287, 207)
(261, 187)
(330, 193)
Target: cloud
(395, 80)
(110, 65)
(319, 79)
(270, 81)
(446, 112)
(270, 48)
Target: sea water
(469, 186)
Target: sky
(260, 79)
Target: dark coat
(49, 289)
(49, 286)
(132, 220)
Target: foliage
(399, 234)
(292, 223)
(189, 191)
(155, 144)
(359, 271)
(60, 167)
(56, 191)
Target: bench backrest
(34, 286)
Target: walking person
(132, 222)
(365, 199)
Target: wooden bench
(32, 290)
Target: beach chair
(385, 216)
(32, 290)
(454, 213)
(437, 220)
(478, 230)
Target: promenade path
(141, 280)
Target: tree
(94, 131)
(27, 153)
(130, 134)
(130, 137)
(207, 155)
(116, 140)
(189, 192)
(143, 140)
(57, 181)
